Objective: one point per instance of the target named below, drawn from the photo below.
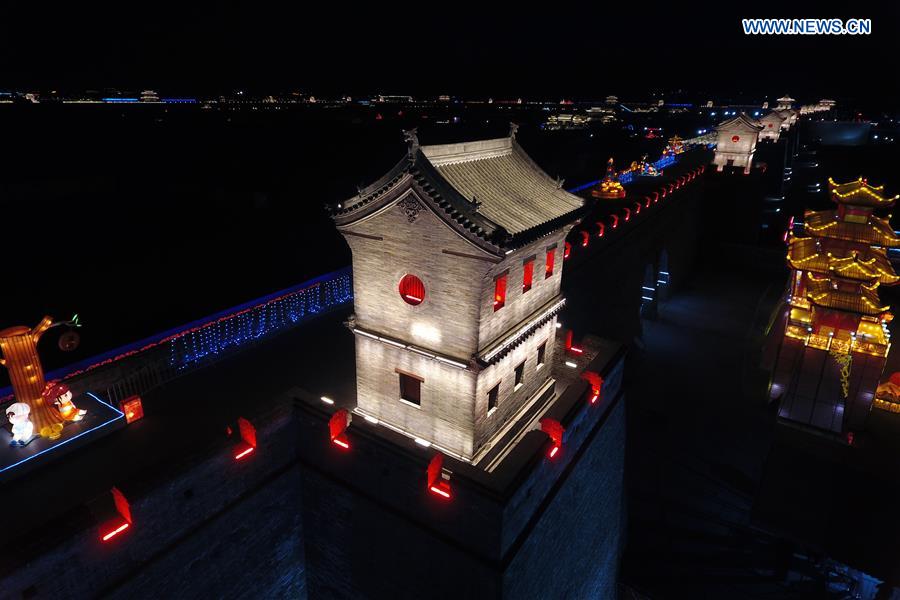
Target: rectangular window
(542, 353)
(493, 395)
(527, 274)
(500, 291)
(410, 388)
(520, 375)
(551, 257)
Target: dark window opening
(493, 395)
(542, 353)
(520, 374)
(411, 388)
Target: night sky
(552, 49)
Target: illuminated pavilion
(836, 339)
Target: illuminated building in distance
(736, 143)
(771, 126)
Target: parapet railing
(143, 365)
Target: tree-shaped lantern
(18, 353)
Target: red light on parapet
(553, 451)
(595, 397)
(576, 350)
(132, 408)
(585, 238)
(443, 493)
(342, 441)
(116, 531)
(567, 251)
(243, 453)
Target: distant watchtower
(736, 142)
(457, 261)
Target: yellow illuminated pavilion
(837, 270)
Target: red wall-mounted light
(596, 382)
(132, 408)
(337, 428)
(248, 439)
(570, 346)
(567, 251)
(438, 477)
(585, 238)
(124, 521)
(555, 430)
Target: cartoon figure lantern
(60, 396)
(22, 427)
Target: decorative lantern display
(610, 188)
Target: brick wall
(444, 416)
(191, 532)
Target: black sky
(553, 49)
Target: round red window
(412, 290)
(735, 138)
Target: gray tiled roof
(490, 191)
(511, 189)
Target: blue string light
(260, 321)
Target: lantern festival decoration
(18, 353)
(833, 301)
(610, 188)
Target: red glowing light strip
(576, 350)
(594, 398)
(435, 489)
(116, 531)
(411, 297)
(241, 455)
(341, 443)
(553, 451)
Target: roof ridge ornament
(513, 129)
(411, 137)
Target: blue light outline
(55, 446)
